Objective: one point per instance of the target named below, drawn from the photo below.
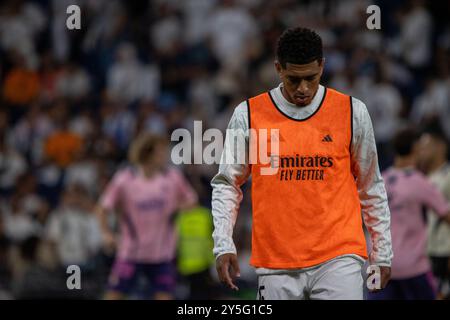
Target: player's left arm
(187, 196)
(371, 189)
(446, 193)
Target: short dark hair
(434, 128)
(298, 46)
(404, 141)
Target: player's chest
(150, 197)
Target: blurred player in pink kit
(147, 195)
(410, 194)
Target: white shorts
(337, 279)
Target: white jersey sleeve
(371, 189)
(226, 184)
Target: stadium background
(71, 102)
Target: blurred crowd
(73, 100)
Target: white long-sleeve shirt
(227, 194)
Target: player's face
(159, 157)
(300, 81)
(427, 149)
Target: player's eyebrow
(302, 77)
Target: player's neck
(437, 163)
(147, 172)
(288, 99)
(404, 162)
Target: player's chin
(302, 102)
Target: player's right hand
(109, 242)
(228, 269)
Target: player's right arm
(446, 193)
(109, 202)
(108, 238)
(227, 195)
(434, 199)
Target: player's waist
(267, 271)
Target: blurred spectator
(129, 79)
(232, 30)
(49, 72)
(433, 159)
(384, 105)
(20, 24)
(119, 124)
(167, 30)
(31, 201)
(50, 179)
(5, 273)
(72, 230)
(35, 281)
(72, 82)
(83, 124)
(4, 119)
(415, 35)
(408, 193)
(12, 165)
(84, 172)
(63, 145)
(18, 224)
(21, 85)
(151, 120)
(195, 11)
(433, 103)
(29, 133)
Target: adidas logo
(327, 138)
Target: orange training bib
(309, 211)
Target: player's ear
(321, 65)
(278, 67)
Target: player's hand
(109, 242)
(385, 276)
(228, 269)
